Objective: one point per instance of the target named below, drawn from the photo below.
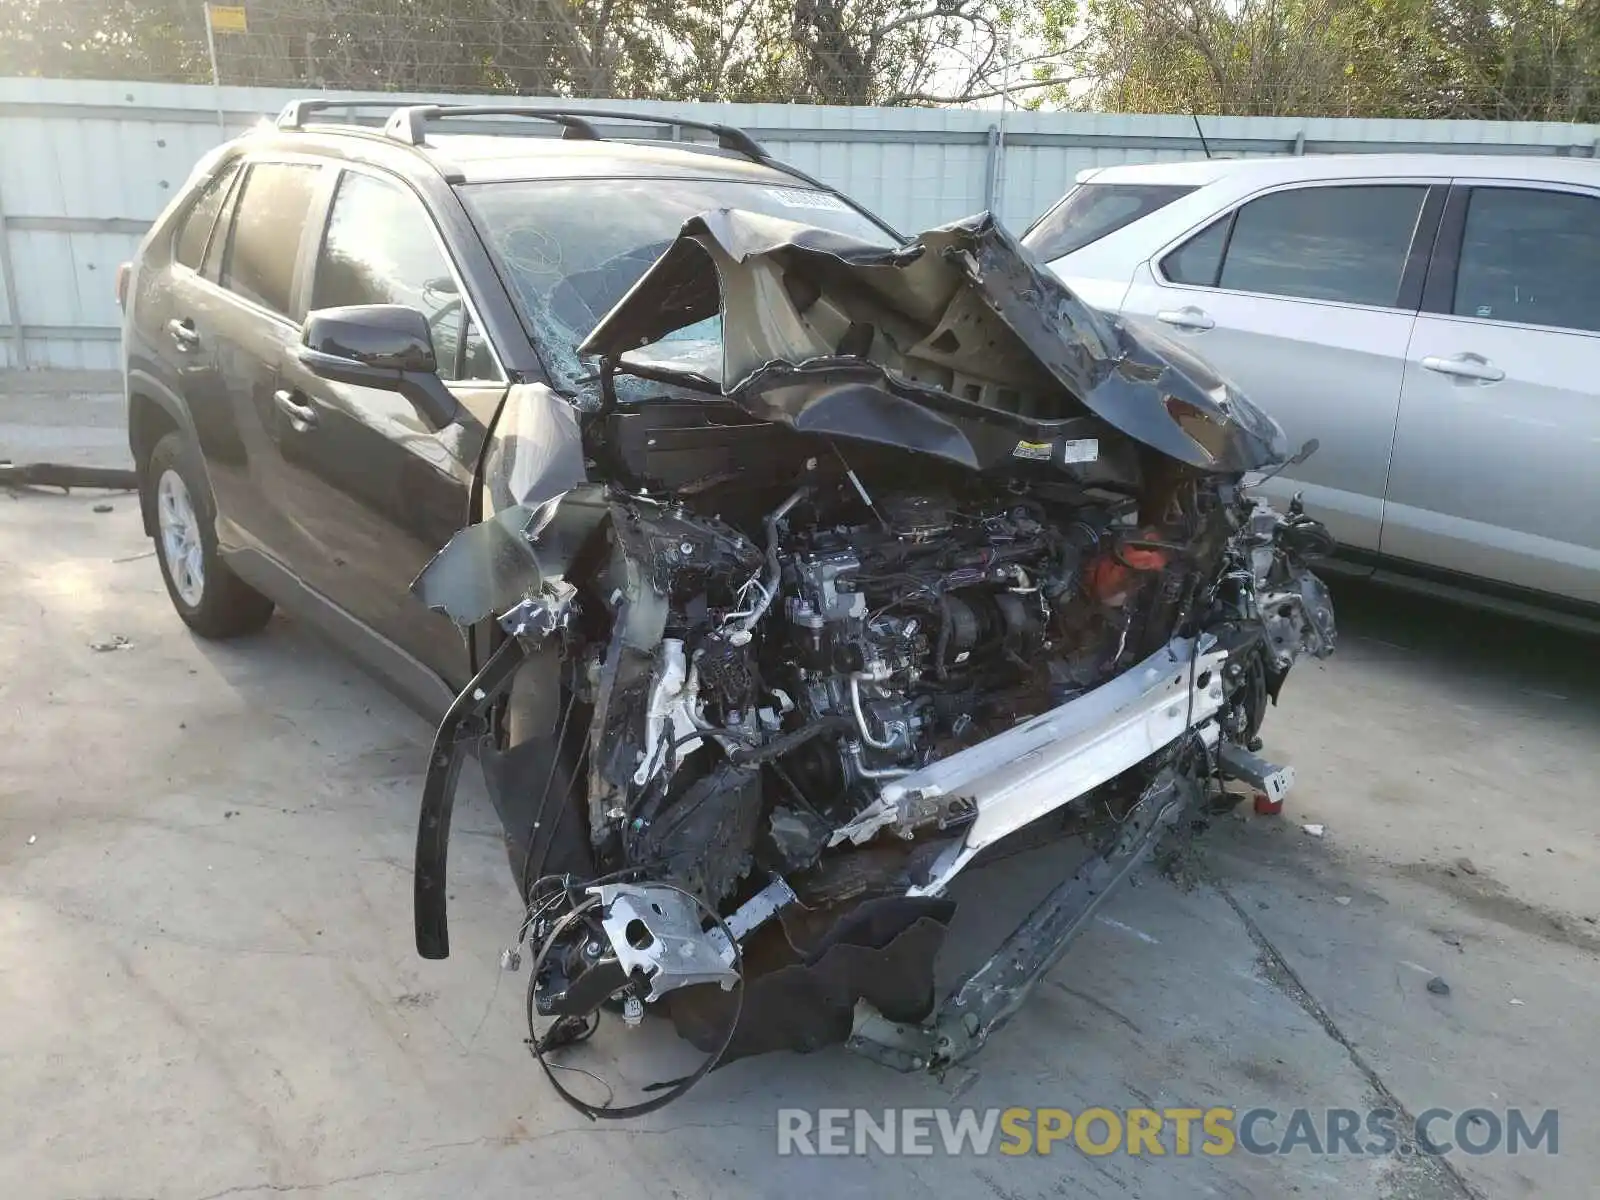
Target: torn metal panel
(535, 452)
(882, 954)
(533, 461)
(964, 312)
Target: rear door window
(269, 220)
(190, 246)
(1344, 243)
(1531, 256)
(1092, 210)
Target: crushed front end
(918, 560)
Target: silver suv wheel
(180, 537)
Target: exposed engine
(870, 636)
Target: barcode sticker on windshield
(805, 198)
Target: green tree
(1483, 59)
(808, 51)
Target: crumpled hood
(958, 344)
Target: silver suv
(1432, 320)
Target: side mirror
(381, 346)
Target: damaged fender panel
(964, 312)
(533, 460)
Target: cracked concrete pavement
(209, 989)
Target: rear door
(181, 324)
(1305, 296)
(241, 323)
(1496, 468)
(372, 488)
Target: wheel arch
(154, 411)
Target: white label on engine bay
(806, 198)
(1080, 450)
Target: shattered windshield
(569, 249)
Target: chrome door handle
(1465, 366)
(184, 334)
(301, 416)
(1186, 318)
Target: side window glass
(380, 248)
(1092, 211)
(195, 231)
(222, 233)
(268, 220)
(1199, 260)
(1531, 256)
(1325, 243)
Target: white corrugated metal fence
(85, 166)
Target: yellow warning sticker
(1037, 451)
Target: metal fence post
(8, 276)
(991, 167)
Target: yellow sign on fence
(227, 18)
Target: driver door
(370, 486)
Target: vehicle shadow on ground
(1459, 642)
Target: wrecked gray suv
(787, 575)
(842, 568)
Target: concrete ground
(75, 417)
(208, 986)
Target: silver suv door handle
(1465, 366)
(1187, 317)
(301, 416)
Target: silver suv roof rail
(409, 124)
(297, 113)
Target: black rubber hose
(780, 746)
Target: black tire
(226, 606)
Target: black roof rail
(296, 113)
(409, 124)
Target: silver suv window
(1343, 243)
(1532, 256)
(1092, 210)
